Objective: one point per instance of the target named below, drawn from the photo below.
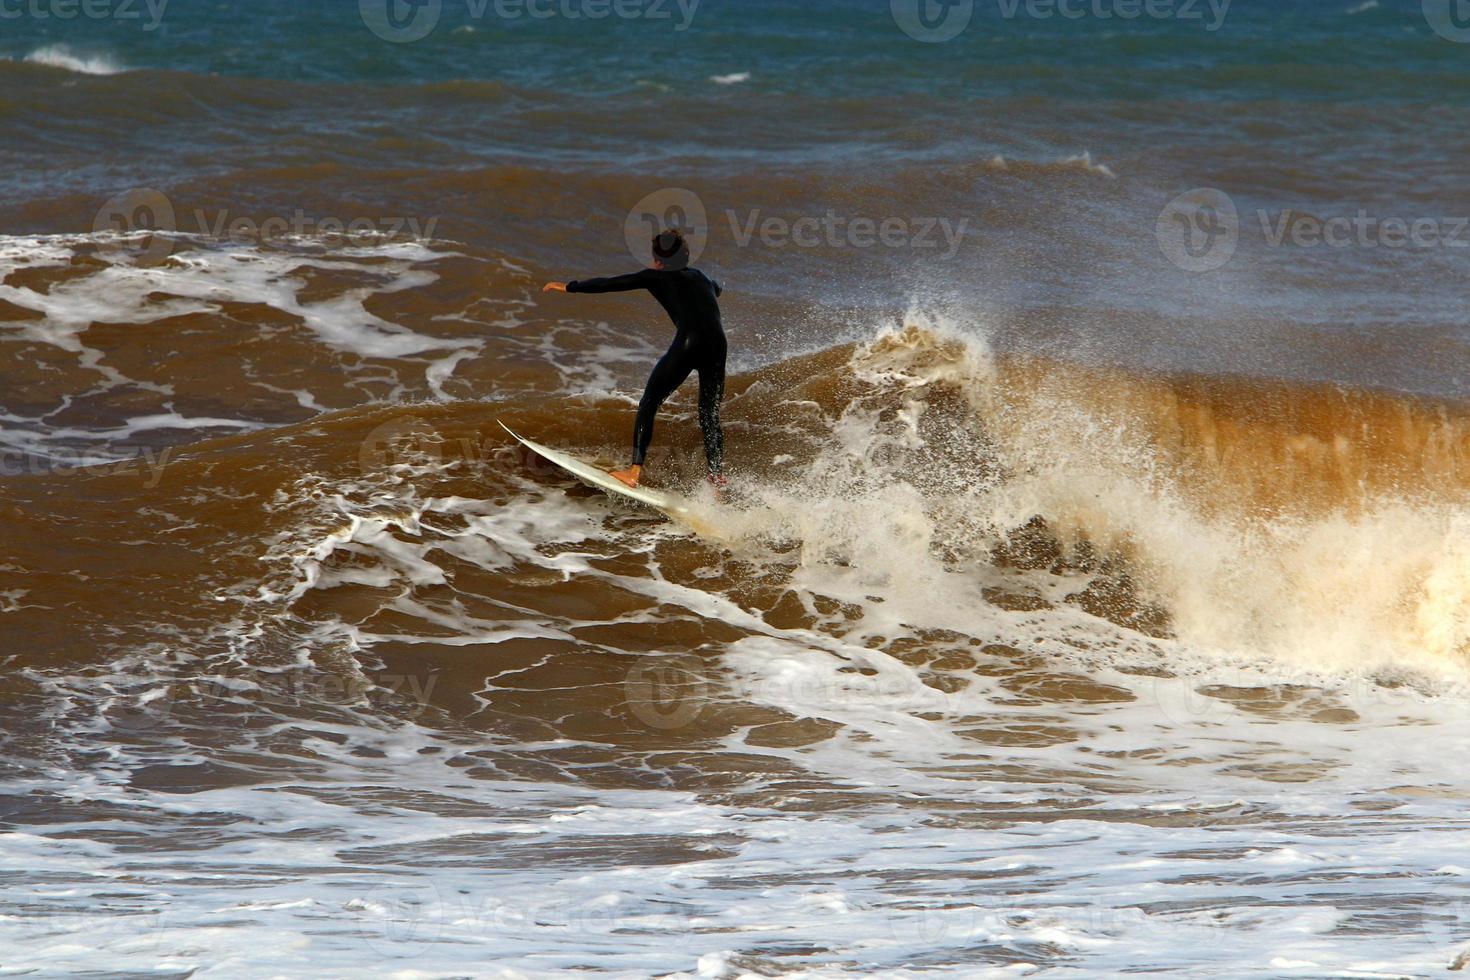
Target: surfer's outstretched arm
(613, 284)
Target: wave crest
(67, 59)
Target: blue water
(1058, 139)
(1318, 50)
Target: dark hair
(670, 248)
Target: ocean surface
(1093, 598)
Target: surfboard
(670, 505)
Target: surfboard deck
(670, 505)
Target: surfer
(691, 299)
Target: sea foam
(63, 57)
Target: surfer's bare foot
(630, 476)
(720, 484)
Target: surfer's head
(670, 250)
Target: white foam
(1167, 830)
(1384, 588)
(63, 57)
(441, 370)
(1243, 877)
(1084, 161)
(198, 279)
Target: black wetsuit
(691, 299)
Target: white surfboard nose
(670, 505)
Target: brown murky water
(1071, 613)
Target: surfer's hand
(554, 287)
